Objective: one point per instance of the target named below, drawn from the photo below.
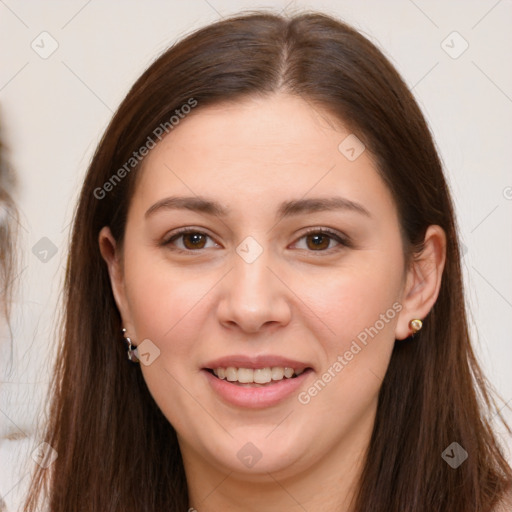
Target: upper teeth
(258, 375)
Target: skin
(294, 300)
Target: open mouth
(256, 377)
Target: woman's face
(292, 258)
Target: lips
(259, 381)
(255, 362)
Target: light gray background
(54, 110)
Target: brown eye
(188, 240)
(194, 240)
(318, 241)
(322, 240)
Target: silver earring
(131, 349)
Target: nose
(253, 298)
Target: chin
(252, 453)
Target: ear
(113, 258)
(423, 281)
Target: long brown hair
(116, 450)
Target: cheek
(356, 311)
(360, 310)
(168, 307)
(166, 303)
(352, 300)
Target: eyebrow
(286, 209)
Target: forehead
(253, 152)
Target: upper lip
(261, 361)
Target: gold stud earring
(416, 324)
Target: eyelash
(342, 240)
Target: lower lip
(259, 396)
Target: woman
(266, 231)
